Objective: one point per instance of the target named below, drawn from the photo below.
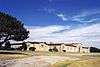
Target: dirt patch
(40, 61)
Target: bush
(32, 48)
(64, 50)
(55, 49)
(20, 48)
(50, 50)
(94, 49)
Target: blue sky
(57, 19)
(44, 12)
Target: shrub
(20, 48)
(50, 50)
(32, 48)
(55, 49)
(64, 50)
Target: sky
(58, 20)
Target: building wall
(57, 46)
(44, 47)
(39, 47)
(69, 48)
(15, 46)
(85, 50)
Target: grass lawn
(79, 63)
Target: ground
(49, 59)
(82, 62)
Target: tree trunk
(5, 40)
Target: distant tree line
(94, 49)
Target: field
(9, 55)
(84, 61)
(50, 59)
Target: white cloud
(88, 35)
(82, 16)
(54, 12)
(87, 21)
(85, 30)
(87, 13)
(62, 16)
(49, 29)
(41, 32)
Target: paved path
(35, 61)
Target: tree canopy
(11, 29)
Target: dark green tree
(11, 29)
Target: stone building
(40, 46)
(60, 47)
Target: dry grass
(85, 59)
(85, 63)
(44, 53)
(79, 63)
(9, 55)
